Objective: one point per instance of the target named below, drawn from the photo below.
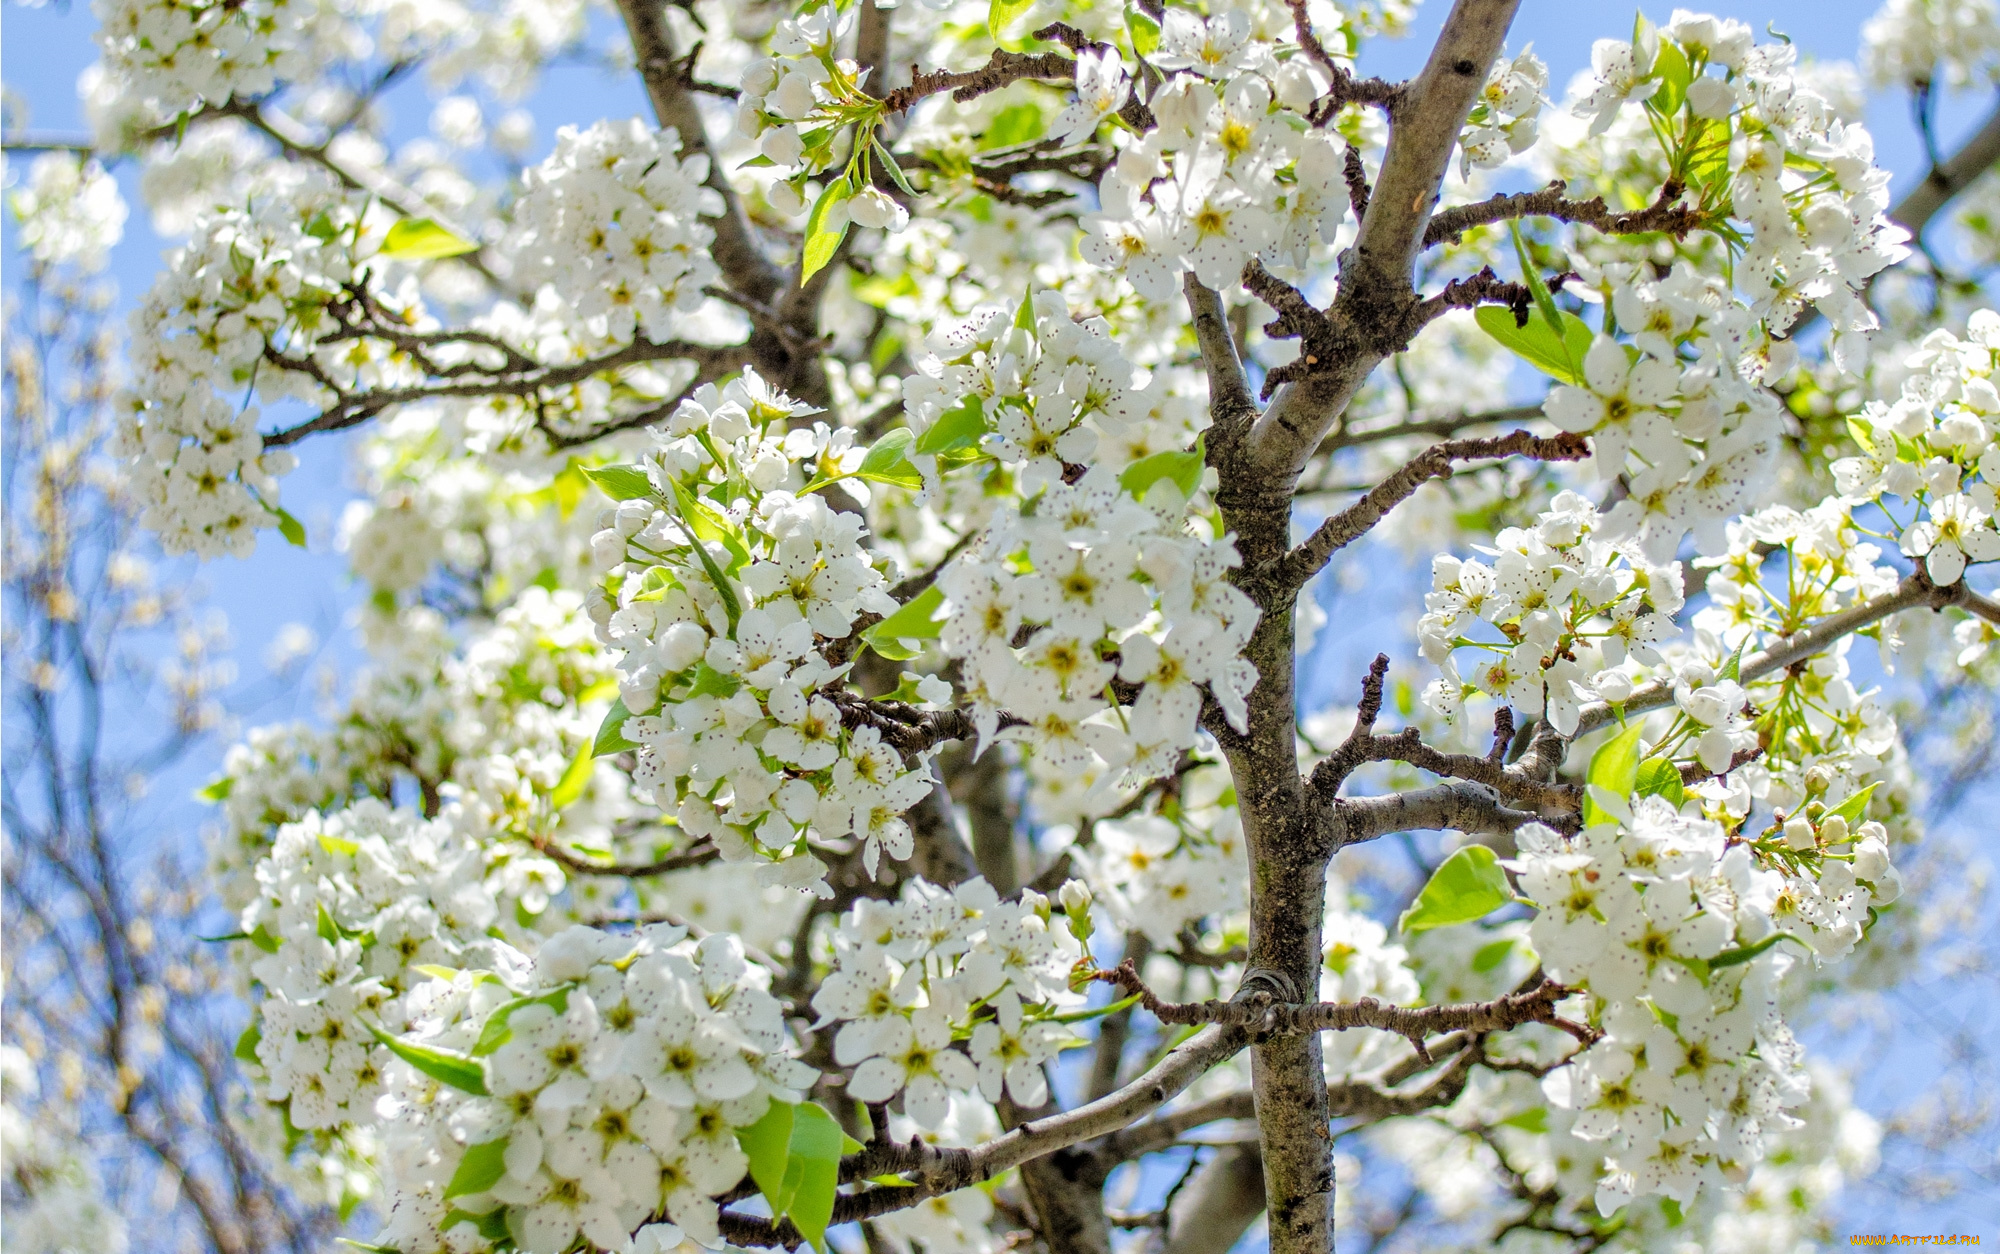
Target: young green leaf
(291, 528)
(479, 1170)
(495, 1031)
(955, 429)
(815, 1150)
(1659, 777)
(1000, 14)
(492, 1225)
(217, 791)
(1145, 31)
(685, 505)
(916, 621)
(621, 483)
(886, 462)
(1853, 808)
(420, 239)
(823, 232)
(246, 1044)
(767, 1144)
(570, 787)
(1184, 468)
(443, 1065)
(1466, 886)
(1560, 356)
(1615, 769)
(610, 736)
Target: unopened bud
(1799, 833)
(1834, 830)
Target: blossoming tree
(840, 550)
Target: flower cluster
(1159, 872)
(726, 574)
(1233, 170)
(1803, 182)
(585, 1094)
(1098, 630)
(350, 909)
(179, 55)
(613, 221)
(253, 284)
(1662, 926)
(798, 102)
(1571, 610)
(936, 968)
(1937, 446)
(70, 212)
(1505, 118)
(1917, 43)
(1041, 393)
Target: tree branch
(1435, 462)
(1666, 214)
(1376, 282)
(1262, 1015)
(1915, 590)
(932, 1170)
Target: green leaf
(496, 1032)
(420, 239)
(1732, 670)
(1184, 468)
(217, 791)
(1558, 355)
(1466, 886)
(1672, 69)
(1535, 1119)
(339, 845)
(1492, 955)
(917, 620)
(1736, 957)
(263, 940)
(329, 931)
(1015, 124)
(291, 528)
(621, 483)
(1000, 14)
(610, 734)
(1109, 1008)
(1615, 769)
(1532, 275)
(1853, 808)
(443, 1065)
(892, 166)
(492, 1225)
(685, 506)
(1145, 31)
(246, 1044)
(822, 240)
(574, 780)
(709, 682)
(479, 1170)
(1659, 777)
(955, 429)
(767, 1144)
(886, 462)
(366, 1248)
(1862, 434)
(815, 1154)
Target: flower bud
(1834, 830)
(1799, 833)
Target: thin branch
(1665, 215)
(1336, 533)
(1001, 70)
(700, 855)
(1915, 590)
(1260, 1014)
(931, 1170)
